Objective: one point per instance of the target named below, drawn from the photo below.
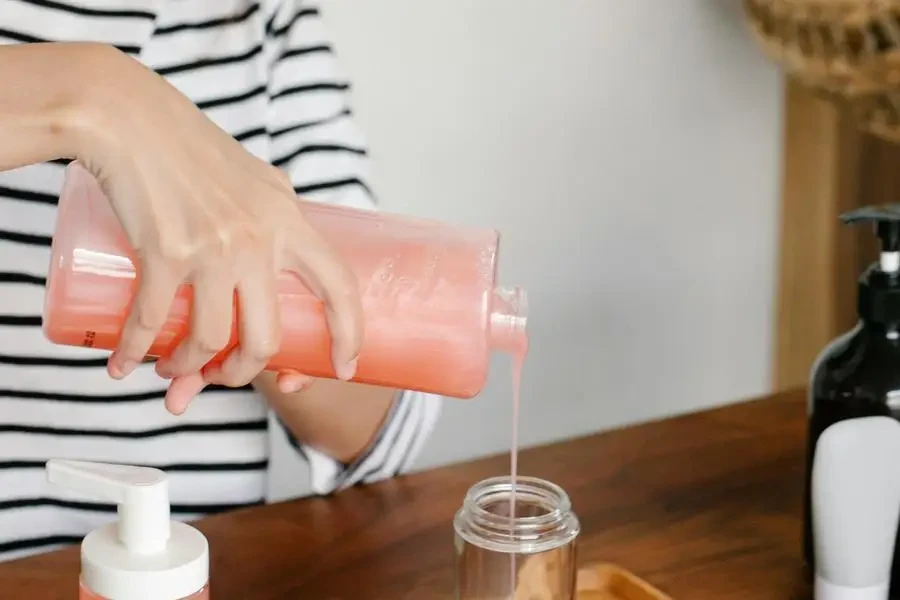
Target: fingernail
(163, 370)
(182, 391)
(122, 371)
(291, 385)
(346, 371)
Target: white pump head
(145, 555)
(141, 493)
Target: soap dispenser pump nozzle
(886, 219)
(144, 555)
(878, 300)
(141, 494)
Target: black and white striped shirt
(264, 71)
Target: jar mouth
(542, 502)
(543, 516)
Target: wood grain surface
(605, 581)
(819, 257)
(703, 506)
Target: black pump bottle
(858, 374)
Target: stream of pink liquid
(518, 361)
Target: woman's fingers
(205, 202)
(258, 312)
(157, 285)
(182, 390)
(212, 312)
(338, 288)
(290, 382)
(258, 328)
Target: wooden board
(608, 582)
(821, 159)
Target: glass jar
(523, 554)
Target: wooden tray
(605, 581)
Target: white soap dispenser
(855, 508)
(145, 555)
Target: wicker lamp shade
(847, 50)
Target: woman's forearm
(44, 99)
(335, 417)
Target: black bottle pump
(879, 287)
(858, 374)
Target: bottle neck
(509, 318)
(875, 332)
(543, 518)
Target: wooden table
(705, 506)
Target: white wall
(628, 152)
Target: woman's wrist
(89, 98)
(338, 418)
(50, 106)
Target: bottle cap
(144, 555)
(879, 286)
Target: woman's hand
(200, 209)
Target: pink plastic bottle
(432, 308)
(86, 594)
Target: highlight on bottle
(509, 320)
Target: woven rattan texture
(847, 51)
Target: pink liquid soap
(518, 354)
(433, 310)
(86, 594)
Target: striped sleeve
(393, 450)
(317, 142)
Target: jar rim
(478, 524)
(524, 485)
